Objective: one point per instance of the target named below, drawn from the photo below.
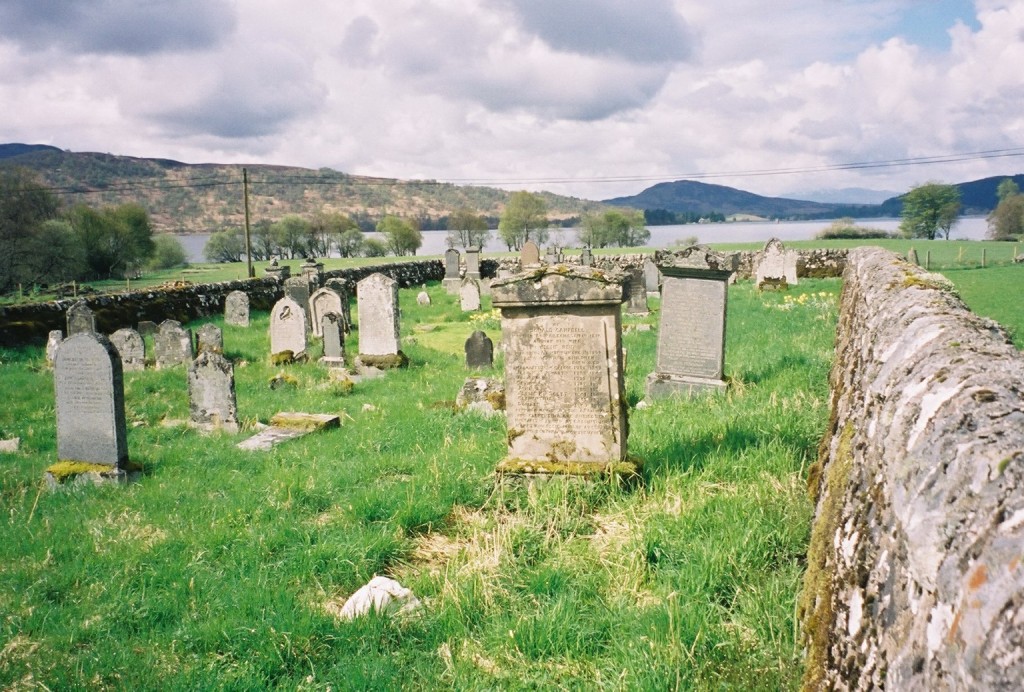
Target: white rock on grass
(383, 595)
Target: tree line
(931, 210)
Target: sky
(591, 98)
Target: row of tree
(931, 210)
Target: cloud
(116, 27)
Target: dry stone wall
(915, 573)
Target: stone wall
(30, 323)
(915, 574)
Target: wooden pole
(248, 245)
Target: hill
(190, 198)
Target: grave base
(74, 473)
(627, 468)
(451, 286)
(660, 386)
(384, 362)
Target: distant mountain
(9, 150)
(845, 195)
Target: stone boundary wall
(31, 323)
(915, 576)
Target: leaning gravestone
(52, 342)
(479, 351)
(379, 345)
(469, 295)
(473, 263)
(209, 337)
(298, 289)
(80, 319)
(776, 266)
(211, 393)
(172, 345)
(325, 300)
(452, 280)
(130, 348)
(287, 328)
(334, 339)
(691, 334)
(529, 256)
(236, 309)
(564, 391)
(636, 292)
(90, 404)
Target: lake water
(967, 228)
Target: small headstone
(776, 266)
(652, 276)
(277, 271)
(334, 339)
(287, 327)
(210, 337)
(473, 263)
(469, 295)
(236, 309)
(52, 342)
(529, 256)
(80, 319)
(479, 350)
(131, 348)
(325, 300)
(452, 280)
(551, 255)
(172, 345)
(564, 388)
(587, 257)
(636, 292)
(211, 393)
(377, 297)
(90, 402)
(422, 298)
(298, 289)
(147, 328)
(691, 335)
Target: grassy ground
(223, 569)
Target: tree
(291, 235)
(262, 241)
(350, 241)
(55, 255)
(622, 227)
(168, 253)
(402, 237)
(225, 246)
(24, 206)
(1006, 222)
(374, 247)
(116, 240)
(930, 209)
(525, 218)
(467, 229)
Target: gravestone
(564, 391)
(287, 328)
(210, 337)
(313, 272)
(211, 393)
(469, 295)
(131, 348)
(586, 257)
(423, 298)
(334, 339)
(340, 288)
(89, 389)
(80, 318)
(776, 266)
(298, 289)
(172, 345)
(479, 351)
(473, 263)
(379, 344)
(529, 256)
(636, 292)
(52, 342)
(691, 334)
(147, 327)
(452, 280)
(551, 255)
(277, 271)
(326, 300)
(236, 309)
(652, 276)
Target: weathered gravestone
(277, 271)
(469, 295)
(452, 280)
(210, 337)
(473, 263)
(377, 303)
(479, 350)
(313, 271)
(776, 266)
(172, 345)
(147, 327)
(339, 287)
(423, 298)
(289, 425)
(52, 342)
(80, 318)
(564, 392)
(551, 255)
(334, 339)
(287, 328)
(236, 309)
(298, 289)
(89, 390)
(691, 334)
(130, 348)
(211, 393)
(325, 300)
(652, 276)
(587, 257)
(529, 255)
(636, 292)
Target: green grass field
(222, 569)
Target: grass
(222, 568)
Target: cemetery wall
(30, 323)
(915, 575)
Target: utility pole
(248, 244)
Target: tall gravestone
(80, 318)
(339, 286)
(652, 276)
(211, 393)
(323, 301)
(469, 295)
(529, 255)
(452, 280)
(236, 309)
(287, 328)
(334, 339)
(636, 292)
(691, 333)
(298, 289)
(473, 263)
(562, 343)
(131, 348)
(89, 388)
(377, 303)
(210, 337)
(776, 266)
(172, 345)
(479, 351)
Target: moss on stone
(385, 362)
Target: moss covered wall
(915, 574)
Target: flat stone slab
(288, 426)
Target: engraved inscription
(692, 327)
